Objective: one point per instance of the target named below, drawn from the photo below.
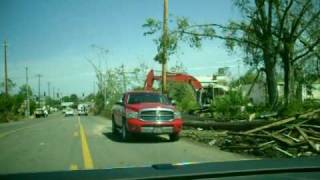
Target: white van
(82, 109)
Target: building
(66, 104)
(259, 92)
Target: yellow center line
(87, 160)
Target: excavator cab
(205, 97)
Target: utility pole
(105, 92)
(27, 101)
(53, 93)
(94, 87)
(239, 73)
(124, 79)
(165, 45)
(239, 68)
(5, 45)
(48, 90)
(59, 96)
(39, 94)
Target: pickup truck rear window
(136, 98)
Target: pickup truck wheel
(174, 137)
(124, 132)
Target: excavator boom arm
(173, 77)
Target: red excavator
(204, 95)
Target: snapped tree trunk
(299, 84)
(288, 73)
(271, 79)
(287, 79)
(299, 92)
(291, 83)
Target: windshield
(136, 98)
(99, 84)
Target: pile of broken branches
(291, 137)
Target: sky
(54, 38)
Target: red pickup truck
(145, 113)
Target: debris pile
(290, 137)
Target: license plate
(157, 130)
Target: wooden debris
(251, 135)
(271, 125)
(306, 115)
(290, 137)
(233, 126)
(262, 145)
(311, 126)
(283, 151)
(312, 132)
(305, 136)
(294, 139)
(281, 138)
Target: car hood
(137, 107)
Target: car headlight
(177, 115)
(131, 115)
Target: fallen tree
(233, 125)
(290, 137)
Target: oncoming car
(69, 112)
(39, 112)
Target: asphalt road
(59, 143)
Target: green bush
(6, 104)
(99, 103)
(8, 108)
(107, 113)
(33, 106)
(184, 96)
(229, 105)
(185, 105)
(293, 108)
(311, 104)
(297, 107)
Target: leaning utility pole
(27, 101)
(39, 94)
(164, 48)
(6, 91)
